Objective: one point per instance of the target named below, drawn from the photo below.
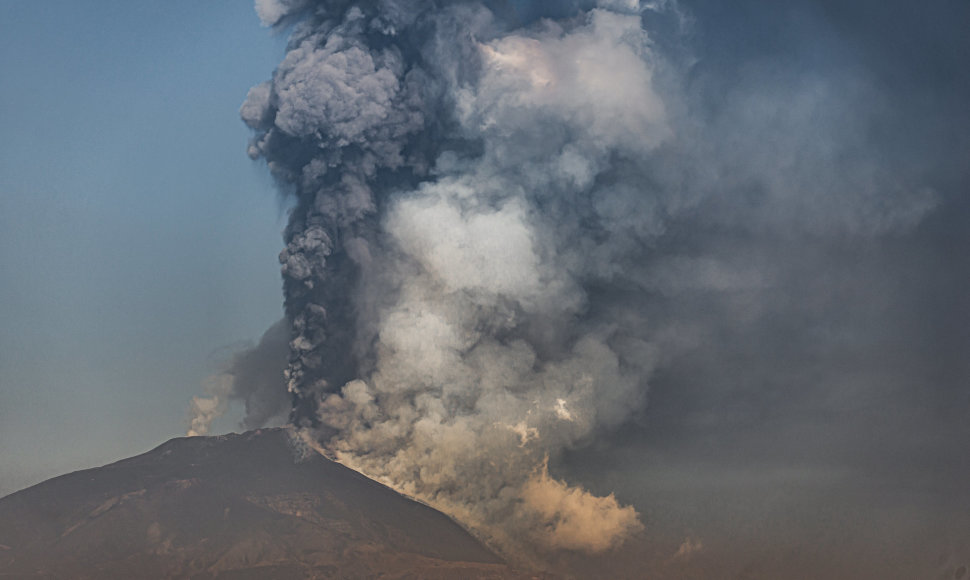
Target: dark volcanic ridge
(234, 506)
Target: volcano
(255, 505)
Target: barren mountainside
(234, 506)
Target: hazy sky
(137, 239)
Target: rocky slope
(231, 507)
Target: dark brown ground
(231, 507)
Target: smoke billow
(490, 218)
(458, 184)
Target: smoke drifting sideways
(252, 375)
(488, 218)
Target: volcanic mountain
(245, 506)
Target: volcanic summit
(256, 505)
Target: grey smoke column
(341, 124)
(485, 218)
(455, 184)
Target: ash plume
(490, 218)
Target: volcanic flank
(256, 505)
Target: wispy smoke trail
(484, 214)
(255, 377)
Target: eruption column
(452, 249)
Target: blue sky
(138, 242)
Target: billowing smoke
(460, 190)
(487, 218)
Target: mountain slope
(235, 506)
